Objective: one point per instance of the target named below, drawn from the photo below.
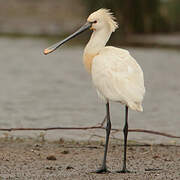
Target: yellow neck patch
(88, 58)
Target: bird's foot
(101, 170)
(124, 170)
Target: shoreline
(39, 159)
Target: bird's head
(102, 18)
(98, 20)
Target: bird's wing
(117, 76)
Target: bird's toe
(123, 171)
(101, 171)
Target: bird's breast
(88, 59)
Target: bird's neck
(97, 42)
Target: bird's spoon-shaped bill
(52, 48)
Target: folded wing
(117, 77)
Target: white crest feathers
(106, 13)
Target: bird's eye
(94, 22)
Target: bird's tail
(137, 106)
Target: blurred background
(60, 17)
(55, 90)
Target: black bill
(55, 46)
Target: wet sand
(35, 159)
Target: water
(55, 90)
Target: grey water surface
(55, 90)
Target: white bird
(115, 73)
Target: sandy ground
(35, 159)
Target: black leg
(103, 169)
(125, 130)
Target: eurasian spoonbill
(115, 73)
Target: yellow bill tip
(47, 51)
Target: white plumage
(115, 73)
(117, 77)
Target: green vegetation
(142, 16)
